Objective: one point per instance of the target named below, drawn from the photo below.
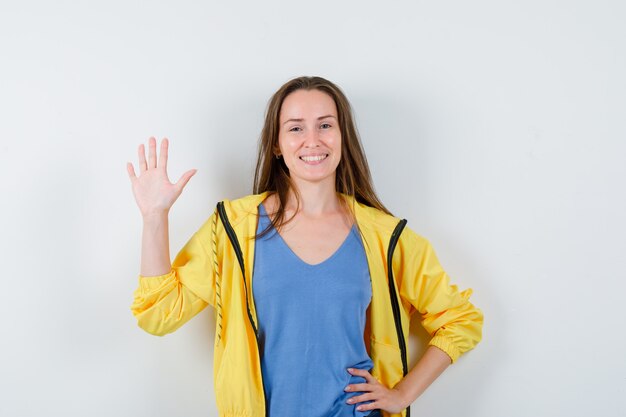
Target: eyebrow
(300, 120)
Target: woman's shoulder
(373, 217)
(240, 207)
(381, 222)
(246, 200)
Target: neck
(316, 199)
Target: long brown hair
(353, 176)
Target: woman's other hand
(153, 191)
(381, 397)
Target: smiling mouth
(314, 158)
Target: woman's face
(309, 137)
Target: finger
(141, 151)
(185, 178)
(361, 398)
(359, 387)
(362, 372)
(152, 153)
(131, 170)
(370, 406)
(163, 154)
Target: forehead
(303, 104)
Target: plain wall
(496, 128)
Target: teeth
(313, 158)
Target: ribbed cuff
(149, 283)
(446, 345)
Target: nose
(312, 138)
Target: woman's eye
(295, 129)
(325, 126)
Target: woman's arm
(162, 303)
(155, 245)
(169, 294)
(155, 195)
(426, 370)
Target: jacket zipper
(394, 300)
(235, 242)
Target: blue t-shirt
(311, 320)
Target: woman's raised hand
(153, 191)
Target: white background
(495, 127)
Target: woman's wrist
(157, 216)
(404, 395)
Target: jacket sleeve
(454, 323)
(164, 303)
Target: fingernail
(347, 388)
(359, 408)
(350, 369)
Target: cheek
(332, 139)
(336, 144)
(286, 144)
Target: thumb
(185, 178)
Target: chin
(315, 178)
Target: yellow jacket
(208, 270)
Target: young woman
(314, 282)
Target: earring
(277, 156)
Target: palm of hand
(153, 191)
